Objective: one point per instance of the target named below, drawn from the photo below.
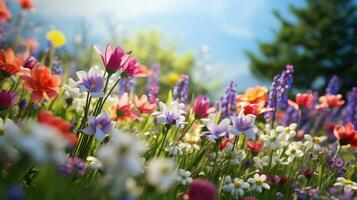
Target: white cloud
(239, 31)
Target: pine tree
(320, 42)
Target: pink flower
(201, 190)
(202, 107)
(7, 99)
(113, 60)
(133, 69)
(143, 105)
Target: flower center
(347, 182)
(293, 151)
(237, 183)
(258, 182)
(92, 85)
(316, 139)
(272, 138)
(165, 170)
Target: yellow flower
(56, 38)
(173, 78)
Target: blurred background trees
(320, 41)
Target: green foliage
(320, 42)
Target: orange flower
(27, 4)
(123, 109)
(9, 63)
(330, 100)
(42, 84)
(144, 105)
(47, 118)
(255, 94)
(5, 14)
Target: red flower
(63, 127)
(255, 146)
(202, 107)
(27, 4)
(9, 63)
(200, 190)
(304, 99)
(144, 105)
(330, 100)
(224, 143)
(346, 135)
(42, 84)
(123, 109)
(276, 180)
(307, 172)
(5, 14)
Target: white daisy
(347, 184)
(236, 186)
(294, 151)
(258, 182)
(183, 177)
(313, 142)
(161, 173)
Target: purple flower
(228, 102)
(285, 82)
(91, 82)
(333, 85)
(269, 115)
(99, 126)
(57, 67)
(278, 96)
(201, 190)
(113, 60)
(243, 124)
(126, 85)
(15, 192)
(171, 115)
(152, 88)
(31, 62)
(181, 89)
(7, 99)
(349, 113)
(73, 165)
(217, 131)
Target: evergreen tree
(320, 42)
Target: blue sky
(227, 27)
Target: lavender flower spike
(99, 126)
(272, 98)
(91, 82)
(152, 88)
(228, 101)
(243, 124)
(333, 85)
(181, 89)
(349, 113)
(285, 82)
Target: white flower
(122, 155)
(286, 133)
(161, 173)
(258, 182)
(237, 156)
(236, 186)
(71, 90)
(313, 142)
(5, 145)
(272, 140)
(171, 115)
(174, 150)
(347, 184)
(190, 143)
(94, 163)
(184, 177)
(294, 151)
(42, 143)
(260, 163)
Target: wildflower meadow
(94, 133)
